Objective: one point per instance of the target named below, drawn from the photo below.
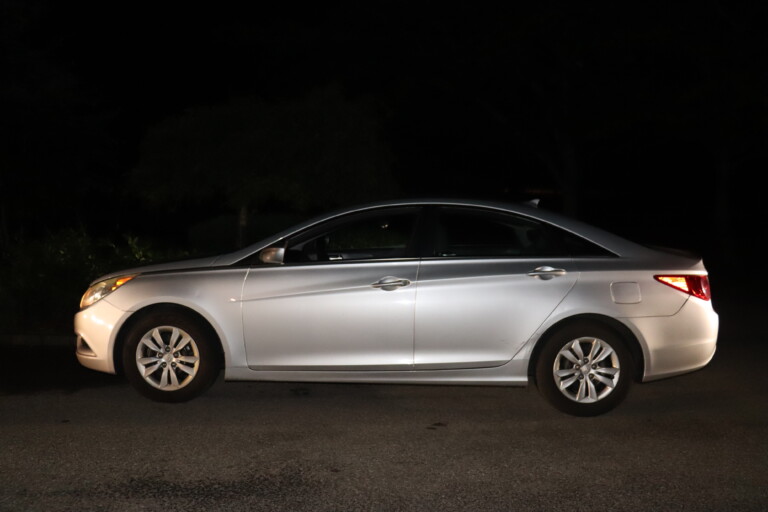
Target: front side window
(382, 234)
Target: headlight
(103, 288)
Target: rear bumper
(678, 344)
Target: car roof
(613, 243)
(609, 241)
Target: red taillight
(698, 286)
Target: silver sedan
(413, 292)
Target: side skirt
(513, 373)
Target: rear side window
(473, 233)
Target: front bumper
(96, 329)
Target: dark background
(140, 132)
(136, 132)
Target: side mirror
(272, 255)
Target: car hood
(162, 267)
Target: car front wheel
(584, 369)
(170, 357)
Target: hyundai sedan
(411, 292)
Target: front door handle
(390, 283)
(546, 272)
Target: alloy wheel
(586, 370)
(167, 358)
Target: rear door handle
(390, 283)
(546, 272)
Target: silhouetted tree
(319, 151)
(53, 130)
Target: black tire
(589, 385)
(181, 366)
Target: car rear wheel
(170, 357)
(584, 369)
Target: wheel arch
(624, 332)
(163, 307)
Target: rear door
(489, 279)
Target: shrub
(42, 280)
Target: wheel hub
(586, 369)
(167, 358)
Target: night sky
(646, 119)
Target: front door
(343, 299)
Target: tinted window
(462, 232)
(376, 235)
(577, 246)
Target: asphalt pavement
(73, 439)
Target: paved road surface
(72, 439)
